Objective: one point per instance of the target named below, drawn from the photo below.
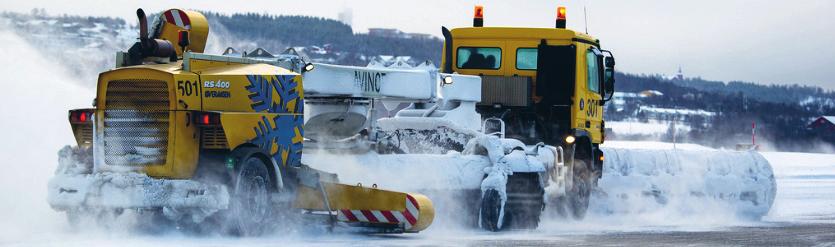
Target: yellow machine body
(171, 97)
(165, 119)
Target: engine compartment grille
(136, 120)
(506, 90)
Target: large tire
(579, 194)
(251, 205)
(525, 201)
(491, 213)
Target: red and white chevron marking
(177, 17)
(408, 217)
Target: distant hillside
(275, 33)
(782, 113)
(89, 43)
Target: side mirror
(609, 83)
(608, 75)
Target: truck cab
(546, 84)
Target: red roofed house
(824, 125)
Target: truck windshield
(479, 57)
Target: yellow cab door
(589, 112)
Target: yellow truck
(541, 85)
(197, 137)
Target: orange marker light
(478, 16)
(479, 12)
(560, 23)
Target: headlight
(447, 80)
(570, 139)
(308, 67)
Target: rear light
(207, 118)
(81, 116)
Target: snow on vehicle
(511, 125)
(198, 138)
(498, 138)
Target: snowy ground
(38, 93)
(803, 213)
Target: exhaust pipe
(147, 46)
(143, 24)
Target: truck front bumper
(102, 191)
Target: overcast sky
(761, 41)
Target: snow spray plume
(83, 46)
(439, 177)
(221, 37)
(680, 188)
(37, 94)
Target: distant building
(679, 75)
(394, 33)
(384, 32)
(419, 35)
(824, 125)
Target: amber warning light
(561, 17)
(478, 16)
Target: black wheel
(491, 213)
(525, 201)
(251, 207)
(579, 194)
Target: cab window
(479, 57)
(526, 58)
(593, 71)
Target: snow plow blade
(740, 182)
(405, 212)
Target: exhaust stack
(147, 46)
